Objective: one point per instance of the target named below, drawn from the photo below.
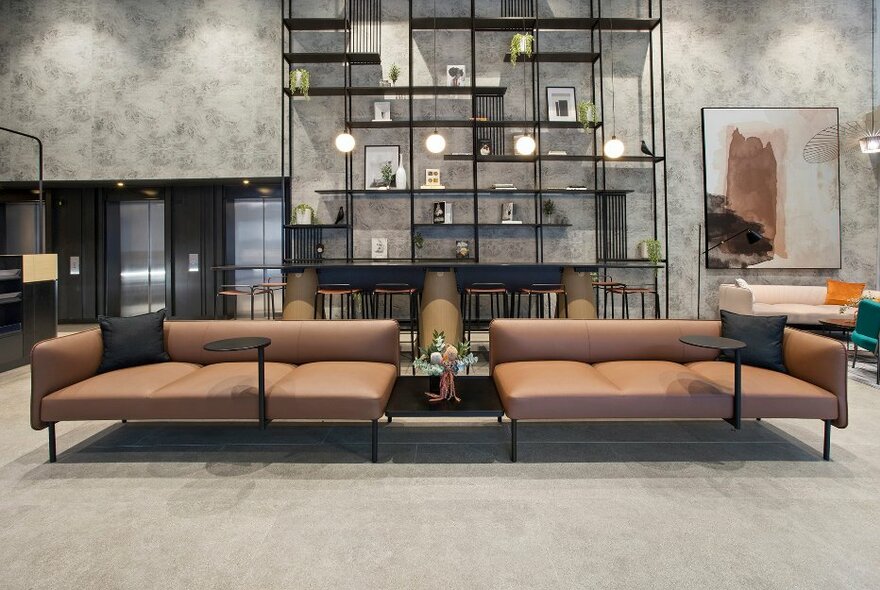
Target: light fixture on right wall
(870, 143)
(613, 148)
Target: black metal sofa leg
(52, 454)
(826, 448)
(375, 441)
(513, 441)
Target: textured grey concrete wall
(128, 89)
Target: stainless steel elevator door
(257, 241)
(141, 256)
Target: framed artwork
(377, 158)
(561, 104)
(432, 177)
(440, 212)
(455, 75)
(462, 249)
(379, 247)
(382, 110)
(756, 177)
(507, 211)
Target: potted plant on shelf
(587, 114)
(388, 175)
(394, 74)
(549, 207)
(304, 214)
(299, 81)
(418, 240)
(521, 44)
(442, 361)
(652, 251)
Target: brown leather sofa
(315, 370)
(597, 369)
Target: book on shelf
(432, 187)
(511, 222)
(576, 188)
(557, 153)
(503, 188)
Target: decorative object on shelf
(385, 83)
(418, 240)
(444, 360)
(340, 215)
(548, 208)
(651, 250)
(755, 177)
(485, 147)
(646, 150)
(304, 214)
(561, 104)
(557, 153)
(345, 142)
(379, 248)
(435, 143)
(432, 179)
(503, 186)
(300, 82)
(319, 250)
(613, 148)
(379, 162)
(440, 212)
(400, 175)
(507, 211)
(382, 110)
(394, 73)
(520, 44)
(587, 114)
(455, 75)
(462, 249)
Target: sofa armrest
(60, 362)
(735, 299)
(821, 361)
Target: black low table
(479, 399)
(719, 343)
(248, 343)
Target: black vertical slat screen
(612, 226)
(492, 108)
(366, 22)
(304, 241)
(519, 8)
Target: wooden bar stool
(250, 291)
(539, 291)
(346, 296)
(387, 292)
(625, 291)
(606, 283)
(470, 300)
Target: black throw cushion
(762, 336)
(129, 342)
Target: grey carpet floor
(684, 504)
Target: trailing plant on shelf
(521, 44)
(388, 174)
(587, 114)
(299, 81)
(303, 215)
(419, 240)
(394, 73)
(652, 250)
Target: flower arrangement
(853, 304)
(444, 360)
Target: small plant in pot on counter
(521, 44)
(303, 215)
(299, 81)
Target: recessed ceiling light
(120, 184)
(245, 181)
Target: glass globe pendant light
(435, 143)
(613, 148)
(525, 145)
(345, 142)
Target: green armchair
(867, 330)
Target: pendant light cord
(873, 62)
(611, 51)
(434, 68)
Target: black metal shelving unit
(612, 246)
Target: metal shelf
(481, 24)
(316, 24)
(330, 57)
(403, 91)
(557, 57)
(288, 226)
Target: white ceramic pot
(642, 251)
(304, 217)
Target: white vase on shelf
(400, 177)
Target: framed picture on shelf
(462, 249)
(382, 110)
(507, 211)
(561, 101)
(379, 248)
(380, 166)
(440, 212)
(455, 75)
(432, 179)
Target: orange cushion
(840, 293)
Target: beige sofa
(315, 370)
(804, 305)
(638, 369)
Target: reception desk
(440, 283)
(28, 305)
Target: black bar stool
(539, 291)
(346, 292)
(606, 283)
(271, 286)
(250, 291)
(387, 292)
(625, 291)
(470, 303)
